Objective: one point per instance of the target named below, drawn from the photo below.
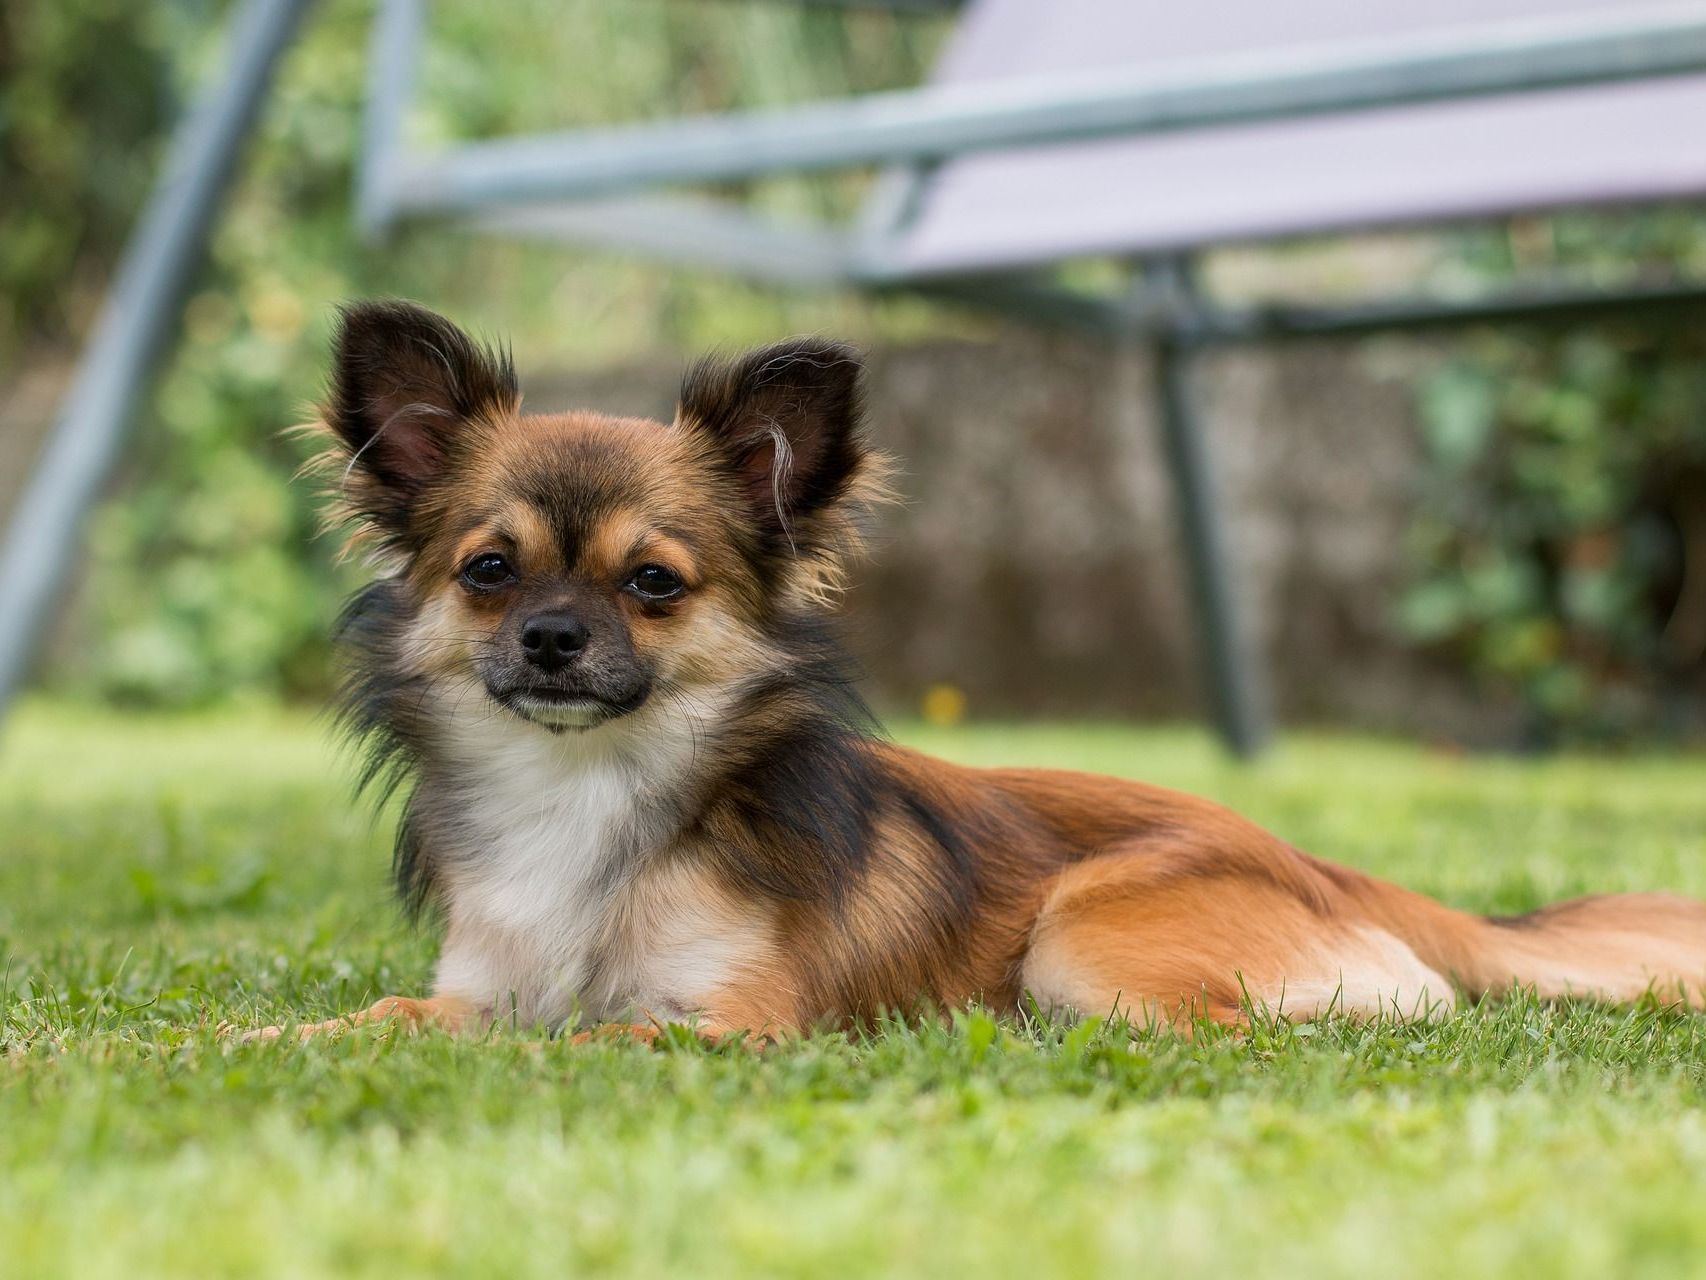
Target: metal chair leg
(42, 540)
(1234, 680)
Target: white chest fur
(557, 895)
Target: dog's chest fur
(563, 887)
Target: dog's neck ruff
(537, 837)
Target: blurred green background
(1555, 558)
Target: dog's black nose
(552, 640)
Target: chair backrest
(1599, 145)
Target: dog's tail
(1613, 947)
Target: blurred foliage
(1561, 541)
(206, 576)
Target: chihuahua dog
(642, 790)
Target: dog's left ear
(786, 420)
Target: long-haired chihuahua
(642, 791)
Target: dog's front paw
(298, 1031)
(230, 1033)
(443, 1013)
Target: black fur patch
(956, 873)
(807, 797)
(380, 710)
(810, 797)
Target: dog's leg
(1169, 940)
(445, 1013)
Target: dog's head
(573, 566)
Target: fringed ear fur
(785, 423)
(406, 384)
(786, 420)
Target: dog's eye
(487, 572)
(654, 582)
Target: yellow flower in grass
(943, 705)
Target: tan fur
(1123, 934)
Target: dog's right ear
(405, 385)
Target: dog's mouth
(558, 709)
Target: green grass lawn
(160, 875)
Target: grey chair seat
(1592, 145)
